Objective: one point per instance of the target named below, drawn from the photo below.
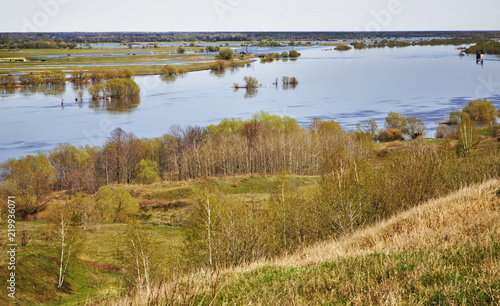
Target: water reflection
(7, 90)
(249, 92)
(171, 78)
(46, 89)
(115, 105)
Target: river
(426, 82)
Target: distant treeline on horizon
(120, 37)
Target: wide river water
(349, 87)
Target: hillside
(445, 251)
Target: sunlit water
(348, 87)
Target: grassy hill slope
(446, 251)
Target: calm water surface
(348, 87)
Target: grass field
(98, 273)
(126, 56)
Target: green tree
(225, 54)
(413, 127)
(394, 121)
(146, 172)
(30, 180)
(116, 205)
(481, 111)
(293, 54)
(169, 70)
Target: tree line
(264, 144)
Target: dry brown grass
(466, 220)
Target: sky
(247, 15)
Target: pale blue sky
(248, 15)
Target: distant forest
(128, 37)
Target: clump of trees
(115, 88)
(30, 179)
(481, 111)
(225, 54)
(409, 126)
(7, 80)
(99, 75)
(353, 192)
(489, 47)
(53, 77)
(146, 172)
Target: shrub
(481, 111)
(30, 79)
(218, 66)
(7, 80)
(181, 50)
(79, 77)
(115, 88)
(284, 54)
(53, 77)
(413, 128)
(390, 134)
(122, 88)
(268, 58)
(251, 82)
(293, 53)
(442, 132)
(146, 172)
(169, 70)
(394, 121)
(225, 54)
(343, 48)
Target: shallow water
(423, 82)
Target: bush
(251, 82)
(146, 172)
(181, 50)
(7, 80)
(218, 66)
(343, 48)
(80, 77)
(122, 88)
(284, 54)
(293, 53)
(268, 58)
(390, 134)
(413, 128)
(481, 111)
(394, 121)
(53, 77)
(30, 79)
(442, 132)
(115, 88)
(169, 70)
(225, 54)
